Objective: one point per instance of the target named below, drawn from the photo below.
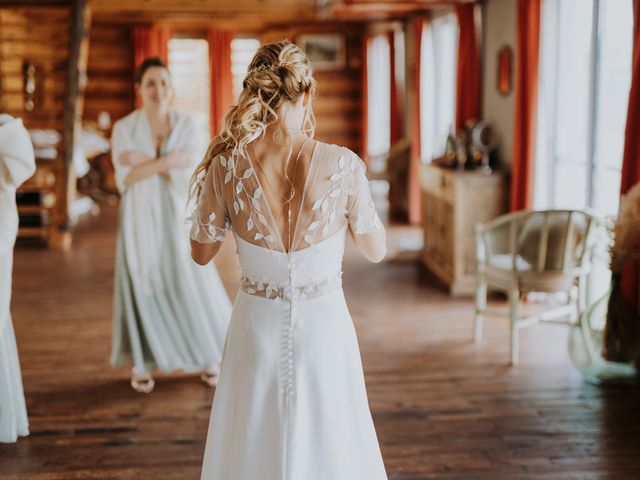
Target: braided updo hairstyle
(280, 72)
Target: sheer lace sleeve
(210, 219)
(361, 212)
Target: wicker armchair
(534, 251)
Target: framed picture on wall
(326, 51)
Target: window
(615, 34)
(378, 95)
(585, 74)
(584, 79)
(189, 67)
(438, 70)
(242, 52)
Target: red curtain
(395, 130)
(468, 83)
(221, 78)
(149, 41)
(415, 194)
(526, 91)
(630, 282)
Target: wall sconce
(29, 82)
(505, 70)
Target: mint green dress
(169, 313)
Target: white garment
(169, 313)
(143, 232)
(291, 402)
(17, 164)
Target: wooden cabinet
(37, 202)
(453, 202)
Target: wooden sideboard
(453, 202)
(37, 202)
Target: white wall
(499, 17)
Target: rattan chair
(534, 251)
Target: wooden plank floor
(444, 408)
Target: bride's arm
(372, 245)
(209, 220)
(365, 226)
(203, 253)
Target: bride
(291, 401)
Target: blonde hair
(280, 72)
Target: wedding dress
(291, 402)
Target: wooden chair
(393, 167)
(534, 251)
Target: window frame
(548, 197)
(427, 155)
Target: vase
(586, 341)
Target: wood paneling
(40, 36)
(338, 107)
(259, 13)
(109, 72)
(444, 407)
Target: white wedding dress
(291, 402)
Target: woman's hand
(131, 158)
(178, 158)
(145, 167)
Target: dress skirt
(291, 402)
(169, 312)
(13, 411)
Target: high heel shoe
(210, 375)
(142, 382)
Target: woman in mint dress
(169, 313)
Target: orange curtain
(468, 83)
(395, 130)
(364, 99)
(630, 282)
(149, 41)
(526, 91)
(221, 78)
(415, 204)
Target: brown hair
(146, 64)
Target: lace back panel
(336, 193)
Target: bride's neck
(282, 137)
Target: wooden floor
(444, 408)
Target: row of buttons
(290, 331)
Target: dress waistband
(262, 287)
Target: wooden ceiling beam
(383, 10)
(35, 3)
(234, 7)
(261, 11)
